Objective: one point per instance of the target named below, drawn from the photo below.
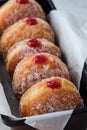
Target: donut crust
(41, 99)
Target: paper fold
(71, 41)
(52, 121)
(4, 107)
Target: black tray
(78, 120)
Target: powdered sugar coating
(27, 72)
(13, 11)
(41, 99)
(21, 30)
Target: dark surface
(47, 5)
(2, 2)
(78, 120)
(83, 84)
(16, 125)
(6, 82)
(24, 128)
(10, 121)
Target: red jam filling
(53, 84)
(31, 21)
(40, 59)
(22, 1)
(34, 43)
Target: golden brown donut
(14, 10)
(23, 29)
(26, 48)
(34, 68)
(50, 95)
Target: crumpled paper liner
(52, 121)
(4, 107)
(71, 41)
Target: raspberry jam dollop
(22, 1)
(34, 43)
(31, 21)
(53, 84)
(40, 59)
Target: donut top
(40, 59)
(54, 84)
(34, 43)
(22, 1)
(31, 21)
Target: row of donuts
(40, 79)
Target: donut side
(50, 95)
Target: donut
(50, 95)
(34, 68)
(14, 10)
(23, 29)
(26, 48)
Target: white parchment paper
(72, 42)
(52, 121)
(4, 107)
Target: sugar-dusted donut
(50, 95)
(26, 48)
(34, 68)
(14, 10)
(23, 29)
